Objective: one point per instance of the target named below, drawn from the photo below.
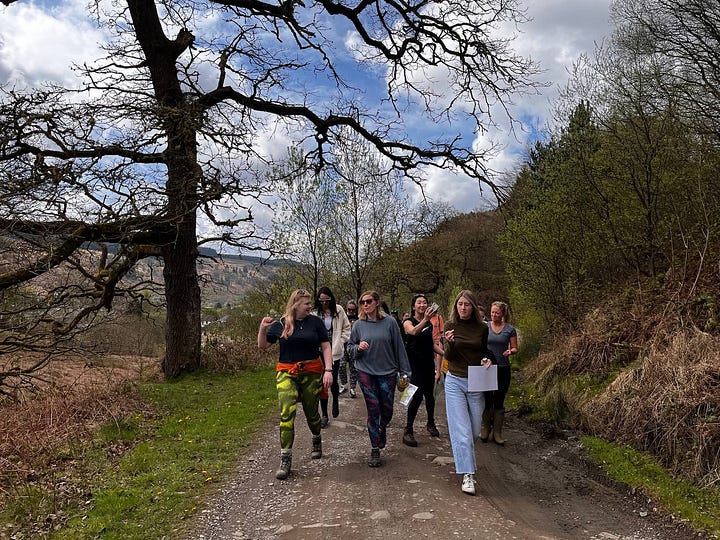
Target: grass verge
(698, 506)
(205, 421)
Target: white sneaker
(343, 389)
(468, 484)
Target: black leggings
(424, 378)
(334, 389)
(496, 399)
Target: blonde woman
(301, 371)
(377, 346)
(503, 343)
(465, 345)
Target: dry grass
(637, 373)
(223, 354)
(669, 404)
(77, 397)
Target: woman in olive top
(304, 367)
(465, 344)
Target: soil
(536, 486)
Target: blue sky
(40, 40)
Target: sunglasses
(366, 302)
(323, 300)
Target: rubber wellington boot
(498, 421)
(285, 464)
(316, 447)
(487, 417)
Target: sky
(558, 32)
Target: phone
(434, 307)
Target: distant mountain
(224, 278)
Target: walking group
(327, 350)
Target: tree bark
(182, 291)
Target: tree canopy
(165, 141)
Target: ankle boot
(285, 464)
(316, 447)
(409, 438)
(498, 420)
(486, 424)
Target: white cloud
(38, 44)
(557, 34)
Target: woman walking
(502, 342)
(376, 344)
(466, 341)
(338, 329)
(301, 370)
(421, 348)
(351, 310)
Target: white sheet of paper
(407, 394)
(482, 379)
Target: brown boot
(498, 420)
(409, 438)
(487, 417)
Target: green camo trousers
(307, 385)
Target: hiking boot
(432, 430)
(409, 438)
(316, 447)
(353, 394)
(335, 408)
(374, 460)
(285, 464)
(383, 438)
(324, 421)
(468, 484)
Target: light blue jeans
(464, 417)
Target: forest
(603, 240)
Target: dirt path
(534, 487)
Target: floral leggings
(379, 392)
(305, 387)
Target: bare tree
(165, 131)
(686, 33)
(302, 217)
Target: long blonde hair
(470, 297)
(293, 304)
(379, 312)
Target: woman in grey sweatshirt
(377, 346)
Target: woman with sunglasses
(338, 328)
(304, 367)
(347, 364)
(377, 346)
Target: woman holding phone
(421, 348)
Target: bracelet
(328, 370)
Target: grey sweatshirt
(386, 354)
